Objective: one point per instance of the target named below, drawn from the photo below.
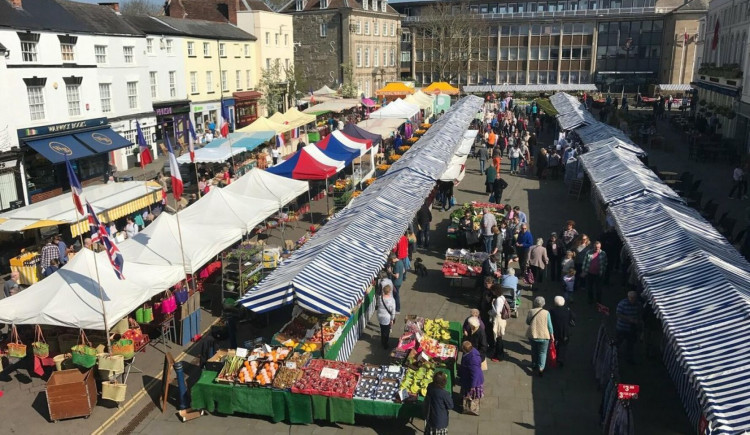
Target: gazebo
(394, 90)
(441, 88)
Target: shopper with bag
(385, 306)
(562, 320)
(539, 333)
(478, 339)
(437, 404)
(472, 379)
(499, 315)
(537, 260)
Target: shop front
(246, 107)
(171, 119)
(229, 104)
(126, 158)
(86, 144)
(206, 115)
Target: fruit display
(306, 331)
(229, 372)
(372, 371)
(416, 381)
(328, 378)
(275, 354)
(379, 382)
(286, 377)
(299, 359)
(296, 329)
(437, 329)
(365, 387)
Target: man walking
(738, 176)
(488, 221)
(483, 155)
(424, 218)
(524, 242)
(628, 321)
(594, 266)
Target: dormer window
(300, 5)
(324, 4)
(374, 5)
(365, 4)
(383, 5)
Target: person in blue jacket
(524, 242)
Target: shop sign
(59, 128)
(627, 391)
(163, 111)
(8, 164)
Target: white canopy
(264, 185)
(325, 90)
(384, 127)
(396, 109)
(465, 148)
(337, 105)
(219, 154)
(70, 297)
(456, 168)
(228, 210)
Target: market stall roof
(110, 201)
(337, 150)
(619, 176)
(599, 131)
(558, 87)
(265, 185)
(219, 154)
(70, 297)
(672, 87)
(441, 88)
(424, 98)
(456, 168)
(249, 141)
(411, 100)
(325, 90)
(354, 131)
(396, 109)
(321, 275)
(263, 124)
(395, 89)
(229, 210)
(617, 143)
(316, 112)
(362, 145)
(383, 127)
(368, 102)
(309, 163)
(337, 106)
(292, 118)
(571, 113)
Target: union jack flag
(99, 234)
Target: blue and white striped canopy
(331, 272)
(599, 133)
(616, 143)
(618, 176)
(571, 113)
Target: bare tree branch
(141, 7)
(445, 31)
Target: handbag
(16, 349)
(181, 296)
(552, 354)
(112, 363)
(168, 304)
(528, 276)
(484, 365)
(40, 346)
(114, 391)
(83, 354)
(144, 314)
(471, 406)
(124, 347)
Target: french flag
(295, 133)
(192, 137)
(99, 234)
(75, 187)
(174, 170)
(145, 150)
(224, 128)
(279, 140)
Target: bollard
(181, 385)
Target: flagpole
(104, 310)
(182, 253)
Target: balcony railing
(557, 14)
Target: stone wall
(318, 58)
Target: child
(569, 281)
(569, 261)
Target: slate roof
(207, 29)
(46, 15)
(254, 5)
(314, 5)
(101, 19)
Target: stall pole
(182, 253)
(328, 208)
(198, 180)
(309, 204)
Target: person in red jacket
(402, 252)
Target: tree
(296, 83)
(272, 88)
(348, 88)
(444, 36)
(141, 7)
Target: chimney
(18, 4)
(114, 5)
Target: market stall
(394, 90)
(396, 109)
(571, 112)
(339, 146)
(385, 127)
(309, 163)
(356, 132)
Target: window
(383, 5)
(247, 79)
(300, 5)
(405, 56)
(367, 57)
(206, 49)
(375, 28)
(193, 82)
(128, 53)
(359, 27)
(376, 57)
(365, 4)
(359, 57)
(28, 50)
(268, 38)
(210, 82)
(247, 50)
(323, 30)
(100, 52)
(169, 46)
(268, 63)
(224, 81)
(286, 40)
(36, 102)
(132, 95)
(286, 64)
(153, 79)
(385, 29)
(105, 97)
(191, 48)
(367, 27)
(74, 99)
(276, 37)
(68, 55)
(222, 49)
(172, 84)
(150, 45)
(323, 4)
(393, 29)
(385, 57)
(238, 80)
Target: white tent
(396, 109)
(465, 148)
(456, 169)
(159, 243)
(70, 297)
(325, 90)
(384, 126)
(338, 105)
(218, 154)
(264, 185)
(228, 210)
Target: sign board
(60, 128)
(166, 379)
(627, 391)
(329, 373)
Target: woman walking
(437, 403)
(555, 252)
(539, 333)
(581, 247)
(472, 378)
(498, 315)
(386, 309)
(515, 156)
(478, 339)
(562, 319)
(537, 260)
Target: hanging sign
(627, 391)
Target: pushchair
(514, 300)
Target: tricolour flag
(192, 137)
(279, 140)
(75, 187)
(145, 150)
(99, 234)
(295, 133)
(224, 121)
(174, 170)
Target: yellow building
(219, 62)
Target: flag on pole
(145, 150)
(75, 187)
(174, 171)
(715, 42)
(279, 140)
(224, 128)
(295, 133)
(99, 234)
(192, 137)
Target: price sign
(602, 309)
(290, 365)
(241, 352)
(627, 391)
(329, 373)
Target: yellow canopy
(395, 88)
(278, 118)
(43, 223)
(264, 124)
(441, 88)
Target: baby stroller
(514, 300)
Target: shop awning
(339, 105)
(395, 89)
(264, 124)
(676, 87)
(103, 140)
(56, 149)
(110, 201)
(316, 112)
(441, 88)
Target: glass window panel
(502, 8)
(532, 77)
(566, 53)
(588, 28)
(603, 27)
(483, 8)
(601, 52)
(536, 29)
(658, 25)
(514, 30)
(575, 53)
(646, 25)
(543, 53)
(552, 77)
(542, 77)
(503, 77)
(505, 30)
(577, 28)
(523, 29)
(493, 8)
(504, 53)
(522, 53)
(554, 53)
(564, 77)
(513, 53)
(512, 77)
(534, 53)
(568, 28)
(573, 77)
(520, 7)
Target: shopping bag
(484, 365)
(168, 304)
(114, 391)
(16, 349)
(112, 363)
(181, 296)
(83, 354)
(40, 346)
(124, 347)
(471, 406)
(552, 354)
(528, 276)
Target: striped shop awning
(331, 272)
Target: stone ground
(565, 401)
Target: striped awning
(571, 113)
(672, 87)
(331, 272)
(599, 132)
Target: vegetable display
(286, 377)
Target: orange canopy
(395, 88)
(441, 88)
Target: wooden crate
(71, 394)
